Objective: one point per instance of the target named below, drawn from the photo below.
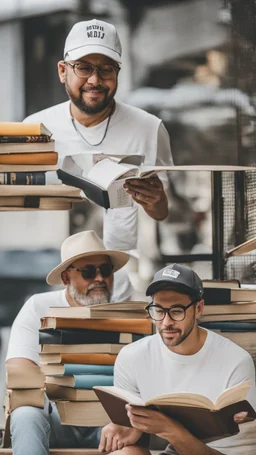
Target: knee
(27, 417)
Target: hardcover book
(23, 129)
(24, 377)
(86, 358)
(54, 391)
(50, 158)
(222, 296)
(109, 310)
(81, 336)
(22, 178)
(206, 420)
(106, 348)
(27, 147)
(82, 381)
(144, 326)
(84, 414)
(23, 397)
(24, 139)
(103, 184)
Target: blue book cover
(76, 369)
(87, 381)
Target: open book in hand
(103, 184)
(206, 420)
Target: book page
(118, 196)
(182, 399)
(121, 393)
(233, 395)
(104, 172)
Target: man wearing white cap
(92, 121)
(87, 271)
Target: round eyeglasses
(85, 70)
(176, 312)
(90, 271)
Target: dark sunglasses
(90, 271)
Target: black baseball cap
(178, 278)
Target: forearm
(186, 444)
(160, 210)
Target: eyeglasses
(176, 313)
(90, 271)
(85, 70)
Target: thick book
(83, 414)
(206, 420)
(231, 308)
(22, 178)
(29, 203)
(111, 310)
(23, 129)
(82, 381)
(228, 284)
(106, 348)
(82, 336)
(23, 397)
(27, 147)
(50, 158)
(24, 139)
(82, 359)
(54, 391)
(222, 296)
(53, 190)
(24, 377)
(229, 326)
(103, 184)
(27, 167)
(228, 317)
(55, 369)
(144, 326)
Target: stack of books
(231, 310)
(27, 155)
(24, 387)
(79, 346)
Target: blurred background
(191, 63)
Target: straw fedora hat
(81, 245)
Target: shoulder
(48, 113)
(138, 349)
(229, 349)
(40, 303)
(136, 113)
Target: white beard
(89, 300)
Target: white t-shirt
(130, 131)
(24, 338)
(148, 368)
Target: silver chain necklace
(105, 132)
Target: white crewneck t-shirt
(148, 368)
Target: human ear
(199, 308)
(65, 277)
(62, 71)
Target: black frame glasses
(84, 70)
(90, 271)
(179, 309)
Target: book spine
(73, 369)
(76, 336)
(29, 158)
(22, 178)
(121, 325)
(88, 381)
(23, 139)
(89, 359)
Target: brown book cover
(228, 284)
(83, 359)
(105, 348)
(83, 414)
(231, 308)
(50, 158)
(19, 203)
(206, 420)
(143, 326)
(24, 377)
(27, 147)
(54, 391)
(23, 129)
(23, 397)
(24, 139)
(228, 317)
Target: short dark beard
(181, 337)
(87, 108)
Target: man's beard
(85, 299)
(90, 108)
(181, 337)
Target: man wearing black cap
(181, 357)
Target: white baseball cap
(93, 37)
